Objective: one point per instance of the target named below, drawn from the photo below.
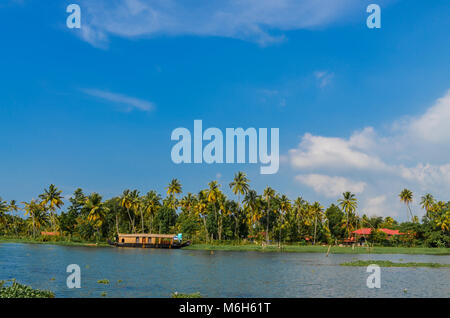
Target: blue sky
(358, 109)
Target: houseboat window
(137, 239)
(123, 240)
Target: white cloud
(433, 126)
(129, 102)
(415, 154)
(250, 20)
(376, 206)
(330, 186)
(336, 153)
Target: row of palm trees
(269, 209)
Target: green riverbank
(64, 243)
(322, 249)
(259, 248)
(392, 264)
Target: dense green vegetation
(210, 217)
(392, 264)
(321, 249)
(13, 289)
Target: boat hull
(149, 245)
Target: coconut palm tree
(443, 221)
(269, 193)
(52, 200)
(173, 189)
(127, 201)
(4, 208)
(426, 203)
(317, 211)
(96, 211)
(36, 210)
(406, 196)
(239, 185)
(213, 196)
(13, 208)
(285, 206)
(251, 205)
(202, 210)
(299, 208)
(348, 204)
(150, 205)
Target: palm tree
(173, 189)
(348, 204)
(150, 205)
(427, 202)
(37, 212)
(97, 211)
(317, 211)
(239, 186)
(213, 196)
(201, 209)
(3, 210)
(13, 208)
(251, 204)
(52, 200)
(443, 221)
(406, 196)
(299, 207)
(285, 206)
(269, 193)
(127, 201)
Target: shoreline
(266, 249)
(322, 249)
(61, 243)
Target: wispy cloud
(323, 77)
(260, 21)
(129, 102)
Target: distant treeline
(210, 215)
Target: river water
(159, 272)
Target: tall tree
(36, 210)
(239, 186)
(150, 205)
(317, 211)
(4, 208)
(127, 201)
(97, 211)
(426, 203)
(348, 204)
(173, 189)
(285, 206)
(406, 196)
(52, 200)
(13, 208)
(269, 193)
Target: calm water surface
(158, 273)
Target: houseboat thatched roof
(148, 235)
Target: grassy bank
(259, 248)
(321, 249)
(59, 242)
(392, 264)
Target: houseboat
(150, 241)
